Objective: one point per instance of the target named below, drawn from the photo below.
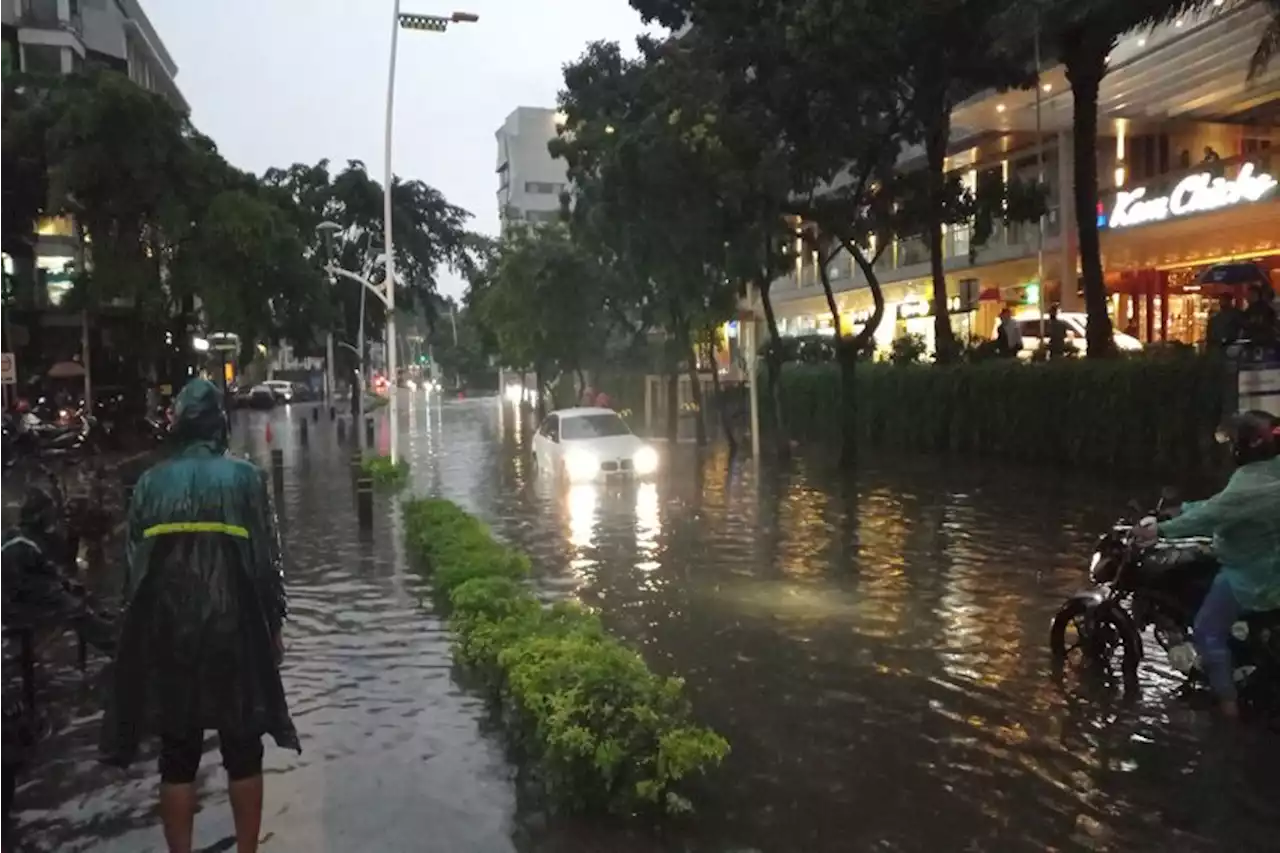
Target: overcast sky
(276, 82)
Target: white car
(283, 389)
(1076, 323)
(589, 444)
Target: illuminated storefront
(1159, 240)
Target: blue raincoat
(205, 595)
(1244, 520)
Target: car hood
(613, 447)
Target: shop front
(1153, 272)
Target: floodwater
(873, 647)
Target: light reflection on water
(871, 644)
(874, 648)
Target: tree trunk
(726, 424)
(773, 363)
(695, 389)
(847, 359)
(582, 384)
(936, 152)
(1086, 63)
(848, 390)
(540, 401)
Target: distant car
(262, 397)
(1076, 323)
(288, 392)
(590, 444)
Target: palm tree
(1084, 33)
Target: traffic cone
(268, 432)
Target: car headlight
(514, 393)
(581, 464)
(645, 461)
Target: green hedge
(600, 729)
(384, 472)
(1137, 413)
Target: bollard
(333, 410)
(302, 432)
(356, 466)
(315, 413)
(277, 468)
(364, 503)
(342, 432)
(368, 431)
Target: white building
(530, 180)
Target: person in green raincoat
(200, 639)
(1244, 520)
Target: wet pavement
(872, 646)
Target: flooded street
(873, 647)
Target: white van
(1076, 323)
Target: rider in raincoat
(200, 639)
(1244, 520)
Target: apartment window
(541, 188)
(41, 59)
(543, 216)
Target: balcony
(44, 15)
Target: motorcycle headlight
(645, 461)
(1101, 568)
(581, 464)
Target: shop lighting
(999, 108)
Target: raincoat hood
(198, 417)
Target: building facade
(61, 37)
(530, 180)
(1187, 171)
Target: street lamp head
(435, 23)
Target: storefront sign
(8, 369)
(1196, 193)
(916, 306)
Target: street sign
(8, 369)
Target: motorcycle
(71, 432)
(1159, 585)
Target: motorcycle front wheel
(1085, 634)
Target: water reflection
(648, 526)
(873, 645)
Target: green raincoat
(1244, 520)
(204, 593)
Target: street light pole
(431, 23)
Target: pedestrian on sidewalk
(200, 644)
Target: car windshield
(592, 426)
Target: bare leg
(246, 811)
(178, 813)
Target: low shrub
(602, 731)
(1152, 413)
(384, 472)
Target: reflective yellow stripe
(196, 527)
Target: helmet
(1254, 436)
(39, 512)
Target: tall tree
(1084, 32)
(429, 233)
(541, 302)
(953, 52)
(650, 170)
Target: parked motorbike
(70, 432)
(1159, 586)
